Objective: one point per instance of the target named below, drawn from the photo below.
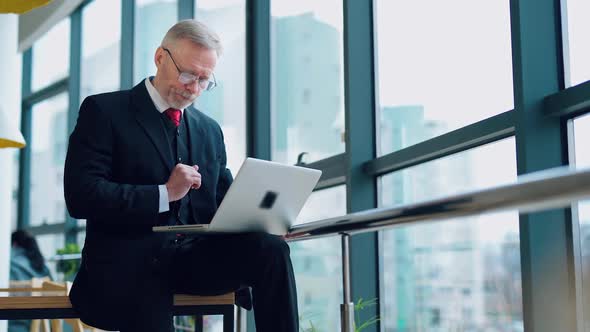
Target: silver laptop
(265, 196)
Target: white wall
(10, 96)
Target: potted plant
(68, 267)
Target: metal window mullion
(361, 190)
(258, 98)
(74, 100)
(47, 229)
(568, 103)
(186, 9)
(547, 261)
(24, 176)
(333, 171)
(46, 93)
(127, 43)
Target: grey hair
(196, 32)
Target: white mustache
(187, 95)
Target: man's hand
(182, 179)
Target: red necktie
(174, 115)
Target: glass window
(100, 47)
(48, 146)
(582, 159)
(51, 56)
(307, 79)
(49, 244)
(227, 102)
(211, 323)
(153, 18)
(456, 275)
(441, 65)
(318, 264)
(578, 32)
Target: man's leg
(216, 264)
(142, 320)
(152, 309)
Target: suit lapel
(196, 135)
(149, 118)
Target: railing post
(241, 320)
(347, 307)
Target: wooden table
(30, 303)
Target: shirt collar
(159, 102)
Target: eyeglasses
(188, 78)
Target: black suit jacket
(117, 156)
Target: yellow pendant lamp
(20, 6)
(10, 136)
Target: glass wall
(227, 102)
(49, 244)
(454, 275)
(578, 32)
(51, 56)
(153, 18)
(307, 80)
(100, 69)
(318, 264)
(440, 66)
(48, 146)
(582, 159)
(307, 115)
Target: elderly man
(144, 157)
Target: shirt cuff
(164, 206)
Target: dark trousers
(217, 264)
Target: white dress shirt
(161, 106)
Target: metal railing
(552, 188)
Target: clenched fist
(182, 179)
